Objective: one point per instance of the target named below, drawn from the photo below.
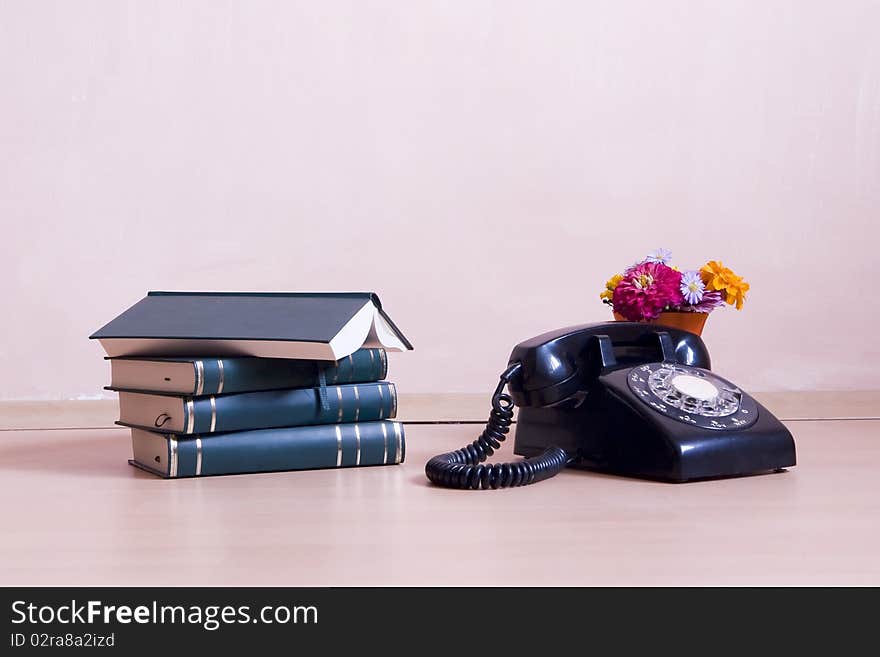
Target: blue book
(258, 410)
(268, 450)
(215, 376)
(304, 325)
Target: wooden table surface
(74, 513)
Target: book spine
(291, 448)
(217, 376)
(286, 408)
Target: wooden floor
(73, 512)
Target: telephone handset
(620, 397)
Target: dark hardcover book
(268, 450)
(215, 376)
(304, 325)
(258, 410)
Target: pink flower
(647, 289)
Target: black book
(304, 325)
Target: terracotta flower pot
(692, 322)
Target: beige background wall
(483, 166)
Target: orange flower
(718, 277)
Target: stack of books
(255, 404)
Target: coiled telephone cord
(464, 468)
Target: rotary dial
(693, 396)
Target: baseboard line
(473, 423)
(440, 408)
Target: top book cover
(304, 325)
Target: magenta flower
(646, 290)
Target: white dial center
(694, 386)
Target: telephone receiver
(624, 398)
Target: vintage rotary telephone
(620, 397)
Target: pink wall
(484, 166)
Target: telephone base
(612, 438)
(588, 468)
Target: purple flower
(710, 301)
(692, 287)
(663, 256)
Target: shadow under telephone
(619, 397)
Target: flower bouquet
(655, 291)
